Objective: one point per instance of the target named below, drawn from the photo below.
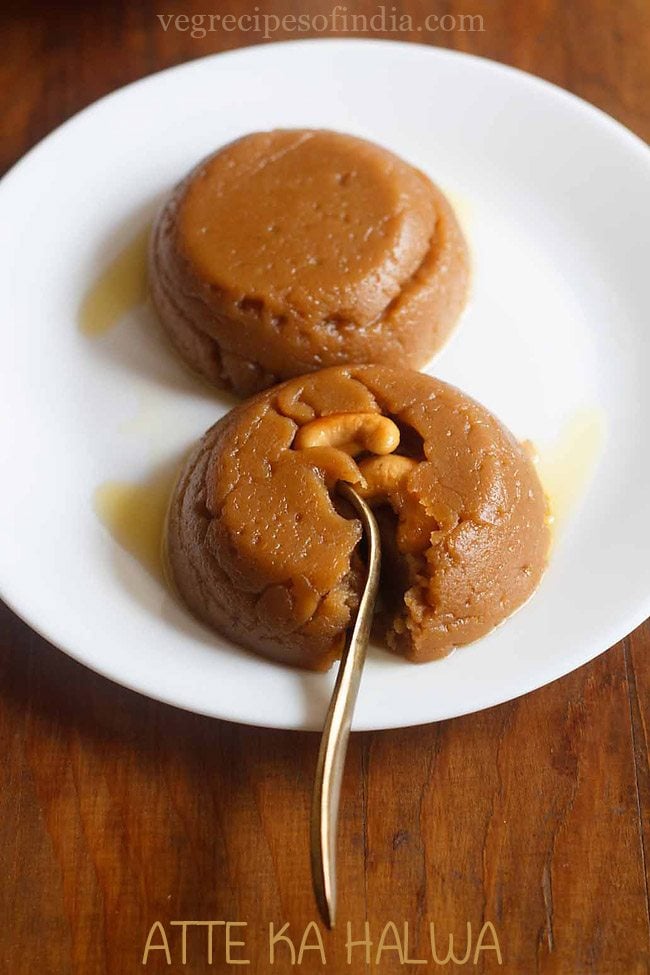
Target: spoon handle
(334, 742)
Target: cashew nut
(384, 475)
(353, 433)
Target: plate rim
(634, 142)
(431, 49)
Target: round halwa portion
(261, 548)
(291, 250)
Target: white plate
(555, 197)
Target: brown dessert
(262, 549)
(288, 251)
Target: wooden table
(117, 812)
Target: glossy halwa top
(288, 251)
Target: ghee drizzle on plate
(566, 466)
(121, 286)
(134, 513)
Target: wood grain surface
(117, 812)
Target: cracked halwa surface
(292, 250)
(260, 547)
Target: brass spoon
(334, 742)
